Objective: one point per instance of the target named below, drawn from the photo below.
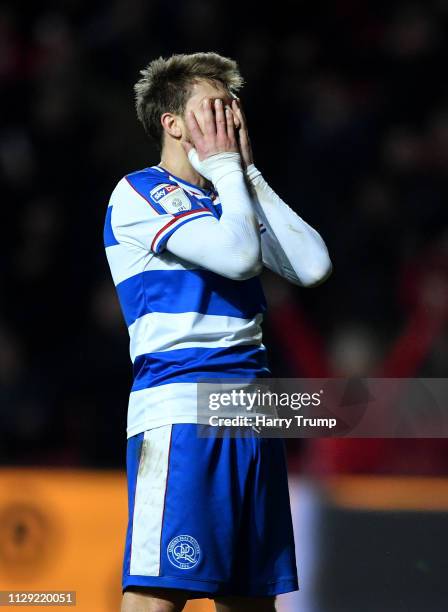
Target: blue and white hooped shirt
(184, 322)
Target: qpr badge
(183, 552)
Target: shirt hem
(153, 423)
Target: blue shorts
(208, 515)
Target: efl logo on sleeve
(171, 198)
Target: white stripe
(130, 206)
(168, 261)
(162, 331)
(158, 406)
(149, 502)
(126, 260)
(172, 226)
(167, 404)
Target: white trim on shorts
(149, 503)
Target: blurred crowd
(348, 112)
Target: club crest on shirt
(183, 552)
(171, 198)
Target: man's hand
(243, 134)
(218, 135)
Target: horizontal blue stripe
(191, 364)
(175, 291)
(109, 236)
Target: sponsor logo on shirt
(161, 191)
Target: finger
(220, 119)
(242, 116)
(238, 112)
(209, 119)
(243, 133)
(193, 126)
(236, 119)
(244, 140)
(230, 124)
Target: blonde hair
(166, 83)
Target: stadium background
(347, 104)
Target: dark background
(347, 104)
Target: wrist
(217, 166)
(233, 176)
(252, 172)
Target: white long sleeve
(231, 246)
(290, 247)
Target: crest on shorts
(183, 552)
